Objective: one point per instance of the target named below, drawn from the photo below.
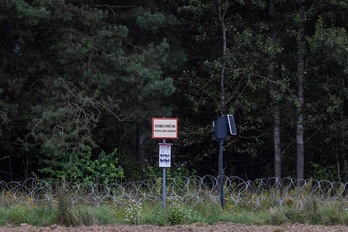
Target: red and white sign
(164, 128)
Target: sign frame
(165, 124)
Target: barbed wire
(264, 192)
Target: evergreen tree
(78, 64)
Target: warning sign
(164, 155)
(164, 128)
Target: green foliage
(154, 172)
(78, 76)
(74, 69)
(82, 168)
(324, 172)
(152, 21)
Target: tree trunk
(141, 144)
(343, 153)
(338, 168)
(222, 13)
(300, 95)
(276, 141)
(345, 168)
(275, 102)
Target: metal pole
(164, 191)
(221, 147)
(164, 187)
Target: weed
(134, 212)
(178, 213)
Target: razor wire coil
(269, 192)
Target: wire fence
(265, 192)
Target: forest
(81, 80)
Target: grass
(311, 213)
(151, 213)
(34, 215)
(64, 212)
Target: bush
(81, 167)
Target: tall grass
(334, 213)
(62, 210)
(176, 213)
(34, 215)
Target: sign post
(164, 128)
(221, 173)
(164, 161)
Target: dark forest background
(81, 80)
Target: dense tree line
(81, 80)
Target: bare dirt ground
(220, 227)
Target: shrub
(81, 167)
